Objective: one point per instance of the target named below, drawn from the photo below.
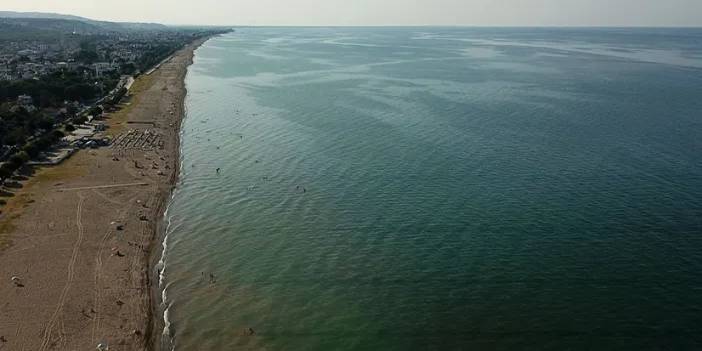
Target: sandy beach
(79, 235)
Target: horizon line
(423, 26)
(171, 24)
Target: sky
(380, 12)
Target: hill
(25, 26)
(54, 21)
(13, 14)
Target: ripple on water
(373, 199)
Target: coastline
(82, 236)
(154, 334)
(155, 324)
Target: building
(25, 100)
(102, 67)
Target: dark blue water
(440, 188)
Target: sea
(438, 188)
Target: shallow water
(440, 188)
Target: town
(58, 77)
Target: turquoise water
(439, 189)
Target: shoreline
(156, 324)
(82, 236)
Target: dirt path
(102, 186)
(71, 274)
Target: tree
(46, 98)
(95, 111)
(57, 135)
(15, 137)
(71, 110)
(80, 119)
(19, 159)
(6, 171)
(87, 56)
(128, 68)
(32, 149)
(117, 97)
(46, 123)
(80, 91)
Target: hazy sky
(380, 12)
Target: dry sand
(85, 281)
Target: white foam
(161, 265)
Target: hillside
(12, 14)
(15, 26)
(53, 21)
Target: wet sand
(79, 236)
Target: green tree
(57, 135)
(87, 56)
(6, 171)
(19, 159)
(80, 91)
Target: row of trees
(52, 90)
(30, 150)
(155, 55)
(17, 125)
